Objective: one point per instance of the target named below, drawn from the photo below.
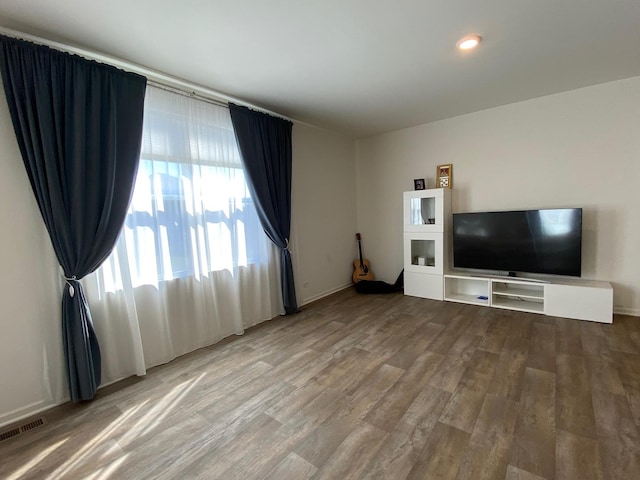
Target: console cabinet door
(423, 253)
(580, 302)
(424, 210)
(423, 285)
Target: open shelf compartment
(514, 295)
(465, 289)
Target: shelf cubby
(464, 289)
(517, 295)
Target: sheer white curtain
(192, 264)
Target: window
(191, 211)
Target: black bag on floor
(377, 286)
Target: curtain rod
(184, 93)
(154, 77)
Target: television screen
(532, 241)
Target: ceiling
(362, 67)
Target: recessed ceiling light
(469, 42)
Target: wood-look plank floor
(371, 387)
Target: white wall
(324, 211)
(575, 149)
(32, 374)
(31, 361)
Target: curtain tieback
(286, 246)
(68, 281)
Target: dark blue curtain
(264, 142)
(79, 126)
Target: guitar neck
(358, 238)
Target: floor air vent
(15, 431)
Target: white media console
(428, 273)
(579, 299)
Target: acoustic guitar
(361, 267)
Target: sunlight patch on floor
(36, 460)
(154, 417)
(81, 456)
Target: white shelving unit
(427, 215)
(428, 262)
(578, 299)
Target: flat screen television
(528, 241)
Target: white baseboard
(634, 312)
(37, 408)
(325, 294)
(31, 410)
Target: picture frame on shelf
(444, 176)
(419, 184)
